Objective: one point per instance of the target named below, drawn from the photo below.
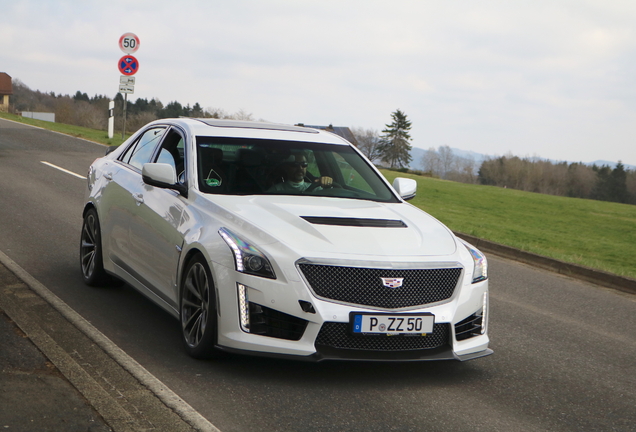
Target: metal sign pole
(128, 66)
(123, 131)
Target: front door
(154, 230)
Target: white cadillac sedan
(283, 241)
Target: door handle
(139, 198)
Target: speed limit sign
(129, 43)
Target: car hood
(319, 226)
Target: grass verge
(596, 234)
(76, 131)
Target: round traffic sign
(128, 65)
(129, 43)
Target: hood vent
(355, 222)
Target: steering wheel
(315, 184)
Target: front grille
(469, 327)
(269, 322)
(363, 286)
(337, 335)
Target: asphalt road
(565, 351)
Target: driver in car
(293, 177)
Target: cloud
(552, 78)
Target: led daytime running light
(244, 308)
(484, 314)
(238, 256)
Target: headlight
(481, 264)
(247, 258)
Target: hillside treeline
(445, 164)
(535, 175)
(92, 112)
(528, 174)
(574, 180)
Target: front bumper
(445, 353)
(287, 329)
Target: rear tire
(198, 310)
(91, 260)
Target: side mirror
(162, 175)
(405, 187)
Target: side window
(172, 153)
(167, 158)
(141, 151)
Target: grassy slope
(595, 234)
(76, 131)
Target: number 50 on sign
(129, 43)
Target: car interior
(248, 168)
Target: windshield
(242, 166)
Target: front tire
(91, 260)
(198, 310)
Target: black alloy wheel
(198, 310)
(91, 251)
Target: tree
(603, 187)
(172, 110)
(368, 142)
(464, 170)
(444, 163)
(197, 111)
(430, 161)
(394, 147)
(580, 180)
(446, 160)
(618, 181)
(630, 183)
(79, 96)
(217, 113)
(611, 184)
(140, 105)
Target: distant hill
(612, 165)
(417, 154)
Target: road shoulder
(120, 390)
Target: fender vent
(269, 322)
(468, 328)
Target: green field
(596, 234)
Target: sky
(551, 79)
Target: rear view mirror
(405, 187)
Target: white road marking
(63, 170)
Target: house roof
(6, 88)
(342, 131)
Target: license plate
(370, 323)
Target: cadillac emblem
(392, 282)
